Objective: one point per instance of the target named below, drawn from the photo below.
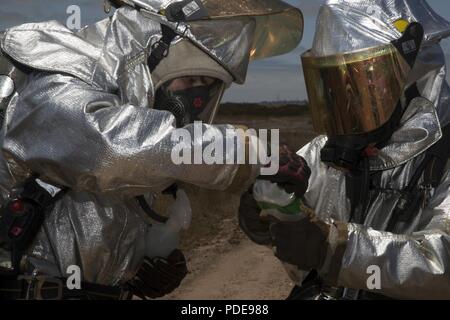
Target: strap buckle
(36, 284)
(160, 49)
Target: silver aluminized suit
(415, 261)
(83, 121)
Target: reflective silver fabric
(415, 261)
(279, 25)
(230, 45)
(356, 92)
(11, 78)
(84, 122)
(236, 31)
(344, 26)
(348, 25)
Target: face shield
(359, 88)
(237, 31)
(345, 26)
(232, 32)
(357, 92)
(358, 98)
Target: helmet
(232, 32)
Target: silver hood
(344, 25)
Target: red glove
(293, 174)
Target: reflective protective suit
(83, 121)
(415, 261)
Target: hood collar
(419, 130)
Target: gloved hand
(293, 174)
(292, 177)
(308, 242)
(302, 243)
(250, 222)
(157, 277)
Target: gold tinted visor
(279, 26)
(356, 92)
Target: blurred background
(278, 79)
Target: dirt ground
(233, 268)
(223, 263)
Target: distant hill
(282, 108)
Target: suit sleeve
(78, 136)
(415, 266)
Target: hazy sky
(273, 79)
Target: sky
(274, 79)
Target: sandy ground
(233, 268)
(223, 263)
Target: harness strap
(48, 288)
(149, 211)
(160, 49)
(432, 170)
(172, 190)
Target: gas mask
(199, 103)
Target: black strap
(160, 49)
(172, 190)
(187, 10)
(313, 288)
(149, 210)
(432, 170)
(410, 42)
(48, 288)
(359, 186)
